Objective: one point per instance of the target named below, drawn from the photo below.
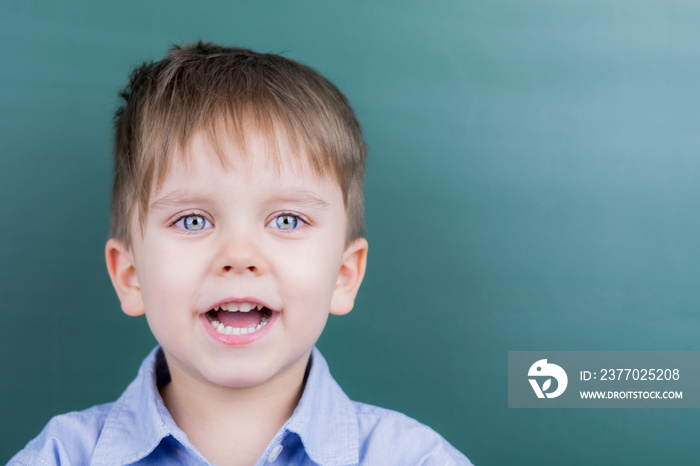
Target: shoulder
(399, 439)
(67, 439)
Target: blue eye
(286, 222)
(193, 223)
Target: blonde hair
(208, 87)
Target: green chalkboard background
(534, 184)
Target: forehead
(272, 152)
(206, 164)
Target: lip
(237, 340)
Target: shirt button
(275, 453)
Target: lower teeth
(225, 330)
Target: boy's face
(218, 237)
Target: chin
(240, 379)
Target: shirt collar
(138, 420)
(325, 418)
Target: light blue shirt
(326, 428)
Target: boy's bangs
(254, 133)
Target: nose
(239, 255)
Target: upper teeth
(239, 307)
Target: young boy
(237, 226)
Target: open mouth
(239, 318)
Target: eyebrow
(299, 197)
(176, 198)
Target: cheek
(167, 278)
(312, 277)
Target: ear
(122, 271)
(352, 271)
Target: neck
(224, 421)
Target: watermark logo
(603, 379)
(543, 369)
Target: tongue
(240, 319)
